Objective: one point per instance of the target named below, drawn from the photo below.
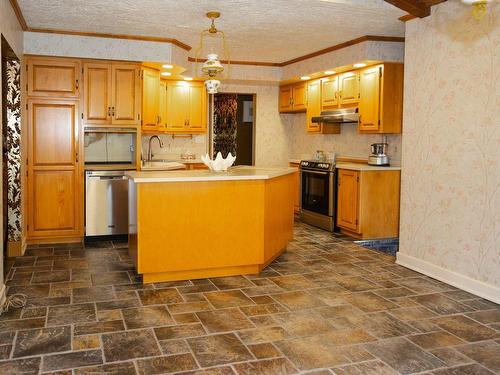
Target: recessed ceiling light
(329, 71)
(305, 78)
(188, 78)
(167, 66)
(166, 74)
(359, 65)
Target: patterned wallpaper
(450, 206)
(348, 143)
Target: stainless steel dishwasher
(106, 203)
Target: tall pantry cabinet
(54, 173)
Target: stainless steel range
(318, 197)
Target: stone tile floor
(327, 306)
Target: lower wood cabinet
(368, 203)
(55, 195)
(296, 188)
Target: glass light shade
(212, 66)
(212, 85)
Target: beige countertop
(235, 173)
(365, 167)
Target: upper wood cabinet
(111, 94)
(330, 92)
(54, 181)
(314, 109)
(162, 98)
(186, 107)
(293, 98)
(349, 89)
(150, 99)
(57, 78)
(381, 99)
(368, 203)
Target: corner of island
(198, 223)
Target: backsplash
(174, 147)
(348, 143)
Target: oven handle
(314, 172)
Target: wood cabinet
(52, 77)
(314, 98)
(349, 89)
(381, 99)
(195, 166)
(296, 188)
(150, 99)
(187, 106)
(111, 94)
(330, 92)
(162, 98)
(54, 179)
(293, 98)
(368, 203)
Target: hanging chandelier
(212, 66)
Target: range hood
(338, 116)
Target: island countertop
(234, 173)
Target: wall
(349, 142)
(11, 30)
(271, 132)
(450, 204)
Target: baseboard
(14, 249)
(466, 283)
(3, 294)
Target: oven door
(316, 192)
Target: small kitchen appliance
(379, 156)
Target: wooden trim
(114, 36)
(417, 8)
(407, 17)
(19, 14)
(349, 43)
(54, 240)
(257, 63)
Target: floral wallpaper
(450, 204)
(11, 91)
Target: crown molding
(19, 14)
(417, 8)
(236, 62)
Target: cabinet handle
(76, 156)
(76, 84)
(113, 111)
(109, 111)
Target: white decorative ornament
(212, 85)
(219, 164)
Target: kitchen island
(197, 224)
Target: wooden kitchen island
(197, 224)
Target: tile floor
(327, 306)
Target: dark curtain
(225, 124)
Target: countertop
(365, 167)
(235, 173)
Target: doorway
(11, 147)
(234, 127)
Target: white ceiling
(257, 30)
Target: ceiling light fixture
(166, 74)
(359, 65)
(167, 66)
(305, 78)
(212, 66)
(188, 78)
(479, 7)
(329, 71)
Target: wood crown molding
(412, 15)
(417, 8)
(25, 27)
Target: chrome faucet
(150, 154)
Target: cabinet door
(369, 99)
(53, 78)
(296, 188)
(178, 106)
(348, 199)
(125, 94)
(162, 126)
(285, 99)
(329, 93)
(299, 96)
(97, 93)
(197, 120)
(150, 99)
(349, 88)
(54, 183)
(313, 105)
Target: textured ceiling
(257, 30)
